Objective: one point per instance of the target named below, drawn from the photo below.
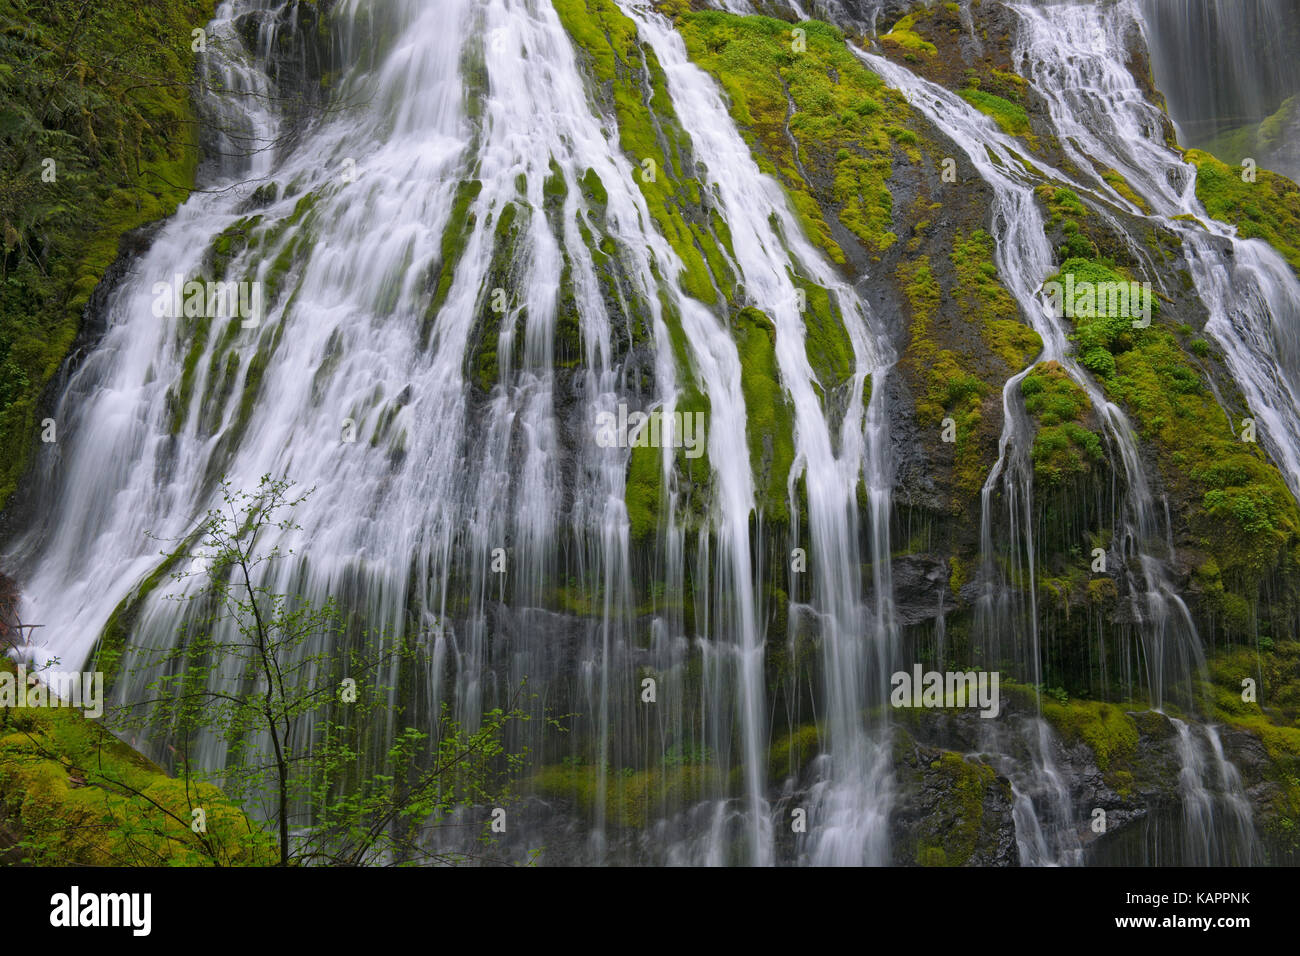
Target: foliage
(1011, 118)
(103, 92)
(298, 703)
(73, 794)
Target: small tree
(293, 693)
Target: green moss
(820, 122)
(1121, 186)
(221, 378)
(1272, 717)
(983, 300)
(769, 425)
(483, 362)
(594, 190)
(198, 343)
(1063, 445)
(791, 752)
(633, 798)
(460, 226)
(951, 840)
(103, 89)
(634, 86)
(1010, 117)
(826, 342)
(287, 243)
(1242, 511)
(1110, 733)
(957, 384)
(1267, 209)
(904, 36)
(644, 491)
(74, 795)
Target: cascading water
(1222, 65)
(1080, 67)
(410, 526)
(439, 347)
(852, 801)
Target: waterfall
(1076, 56)
(1222, 64)
(1217, 827)
(464, 276)
(852, 805)
(1024, 258)
(353, 384)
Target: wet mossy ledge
(72, 794)
(98, 138)
(1068, 442)
(959, 408)
(973, 60)
(1267, 208)
(1241, 515)
(1270, 674)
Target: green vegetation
(1273, 717)
(96, 96)
(1121, 186)
(246, 665)
(633, 798)
(634, 85)
(1104, 306)
(951, 836)
(1109, 732)
(1064, 445)
(827, 344)
(460, 226)
(959, 384)
(1011, 118)
(1067, 213)
(483, 365)
(1241, 510)
(985, 301)
(791, 752)
(72, 794)
(904, 36)
(769, 425)
(1268, 208)
(953, 388)
(818, 120)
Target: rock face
(953, 810)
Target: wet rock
(952, 810)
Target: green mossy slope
(72, 794)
